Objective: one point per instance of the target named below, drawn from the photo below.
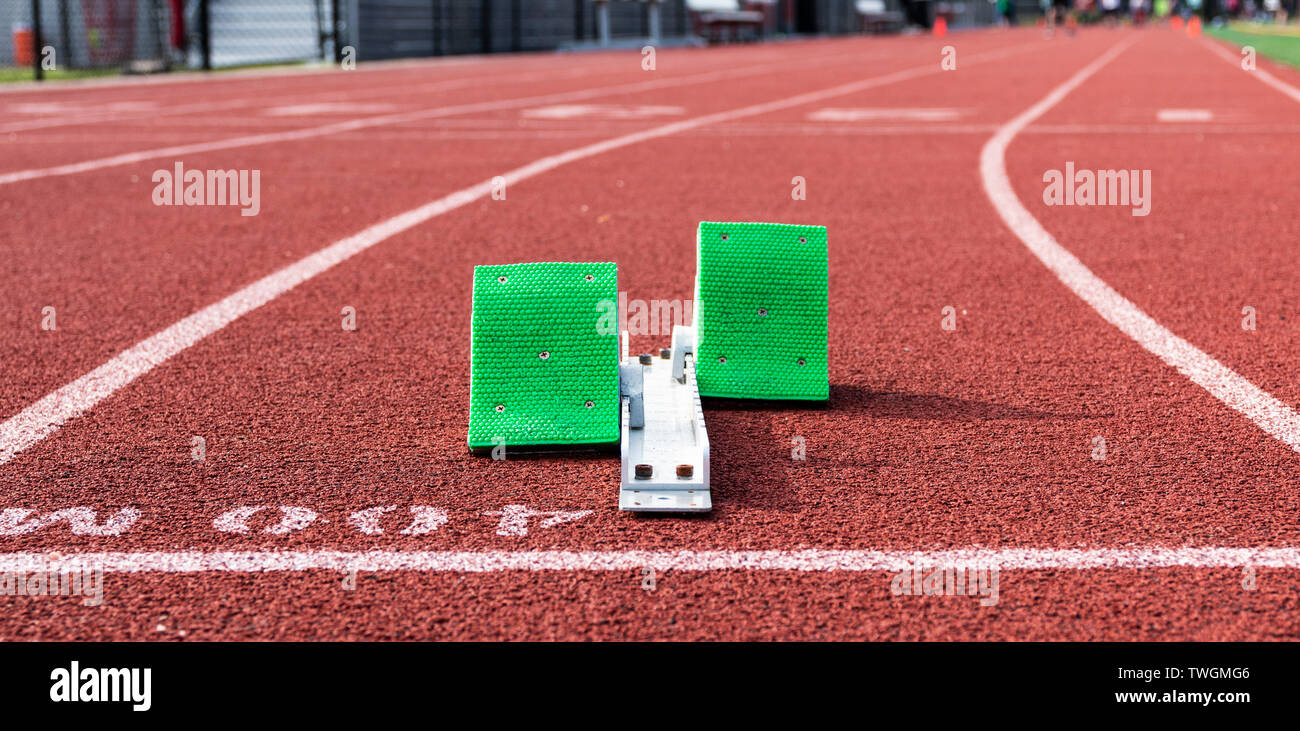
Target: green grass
(14, 74)
(1280, 43)
(11, 74)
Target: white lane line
(604, 111)
(1257, 72)
(1268, 413)
(320, 108)
(862, 114)
(381, 90)
(232, 76)
(811, 560)
(245, 102)
(387, 119)
(44, 417)
(1184, 115)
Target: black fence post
(578, 18)
(485, 24)
(320, 28)
(37, 71)
(205, 34)
(65, 35)
(334, 31)
(437, 27)
(516, 34)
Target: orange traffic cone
(940, 27)
(1194, 26)
(1176, 22)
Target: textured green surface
(761, 303)
(547, 308)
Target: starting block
(543, 364)
(547, 367)
(760, 311)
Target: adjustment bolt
(646, 358)
(685, 470)
(644, 471)
(665, 353)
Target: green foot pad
(760, 311)
(544, 355)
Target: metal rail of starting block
(664, 445)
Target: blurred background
(75, 38)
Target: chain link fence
(69, 38)
(72, 38)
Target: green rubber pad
(544, 353)
(760, 311)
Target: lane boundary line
(809, 560)
(44, 417)
(352, 125)
(251, 103)
(1267, 412)
(1261, 74)
(247, 102)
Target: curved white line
(1273, 416)
(1257, 72)
(44, 417)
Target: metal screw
(590, 404)
(502, 279)
(501, 407)
(544, 354)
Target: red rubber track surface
(933, 439)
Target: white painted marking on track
(1259, 73)
(1268, 413)
(603, 111)
(45, 416)
(292, 519)
(81, 521)
(304, 110)
(514, 518)
(377, 121)
(1184, 115)
(808, 561)
(64, 120)
(425, 519)
(367, 521)
(78, 107)
(860, 114)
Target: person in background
(1007, 13)
(1110, 12)
(1139, 10)
(1057, 12)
